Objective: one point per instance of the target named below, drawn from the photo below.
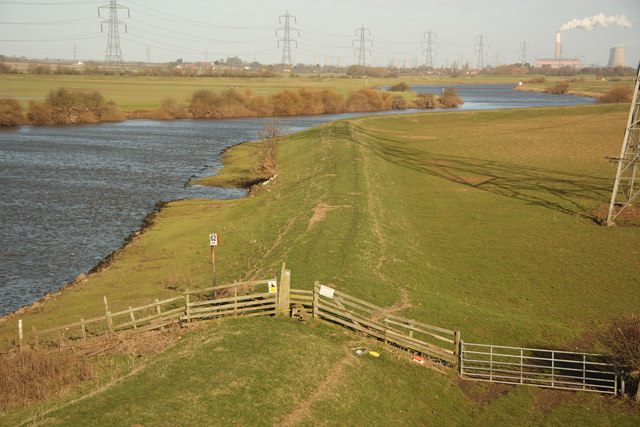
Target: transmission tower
(481, 46)
(523, 52)
(429, 52)
(625, 188)
(113, 53)
(286, 38)
(362, 45)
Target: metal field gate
(539, 367)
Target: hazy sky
(196, 30)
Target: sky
(323, 32)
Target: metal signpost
(213, 242)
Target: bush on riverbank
(617, 94)
(66, 106)
(11, 113)
(560, 88)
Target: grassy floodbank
(478, 221)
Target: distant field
(147, 93)
(478, 221)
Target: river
(69, 196)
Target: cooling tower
(616, 57)
(558, 45)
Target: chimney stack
(558, 45)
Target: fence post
(35, 337)
(158, 307)
(461, 358)
(84, 330)
(282, 304)
(316, 290)
(457, 343)
(186, 304)
(20, 333)
(108, 314)
(133, 318)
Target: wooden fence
(338, 307)
(479, 362)
(231, 300)
(538, 367)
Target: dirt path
(301, 413)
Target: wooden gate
(432, 341)
(556, 369)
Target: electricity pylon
(523, 52)
(286, 38)
(625, 188)
(113, 53)
(362, 45)
(430, 51)
(481, 47)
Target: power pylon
(113, 53)
(523, 52)
(625, 188)
(481, 50)
(286, 37)
(430, 51)
(362, 45)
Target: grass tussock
(32, 376)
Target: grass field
(478, 221)
(146, 93)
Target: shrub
(400, 87)
(400, 103)
(426, 100)
(366, 99)
(617, 94)
(266, 162)
(560, 88)
(450, 98)
(11, 113)
(623, 340)
(73, 106)
(537, 80)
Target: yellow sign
(273, 287)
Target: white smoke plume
(594, 21)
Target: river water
(69, 196)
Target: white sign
(326, 291)
(273, 287)
(213, 239)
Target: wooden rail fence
(538, 367)
(480, 362)
(375, 321)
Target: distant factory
(558, 61)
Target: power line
(480, 46)
(430, 51)
(286, 39)
(362, 42)
(113, 53)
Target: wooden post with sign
(213, 242)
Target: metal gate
(539, 367)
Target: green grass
(482, 218)
(282, 372)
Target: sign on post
(213, 242)
(326, 291)
(273, 287)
